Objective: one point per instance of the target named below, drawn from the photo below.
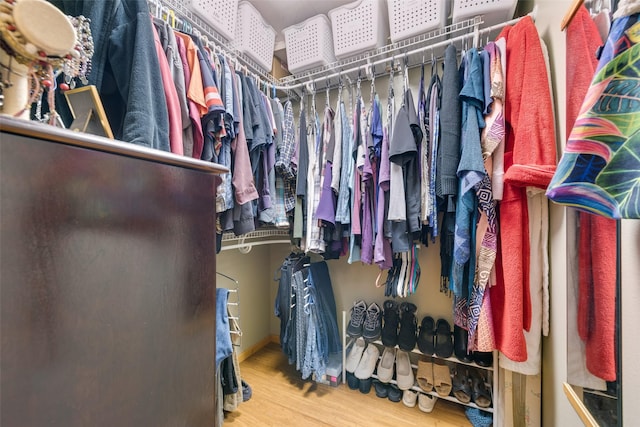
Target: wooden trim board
(257, 347)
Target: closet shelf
(245, 242)
(352, 64)
(449, 398)
(447, 359)
(411, 52)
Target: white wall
(630, 320)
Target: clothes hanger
(373, 84)
(327, 101)
(570, 13)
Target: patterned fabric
(486, 257)
(599, 171)
(485, 339)
(284, 167)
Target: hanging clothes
(171, 51)
(124, 69)
(529, 161)
(448, 159)
(432, 127)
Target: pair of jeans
(320, 281)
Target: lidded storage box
(358, 27)
(309, 44)
(254, 37)
(220, 14)
(493, 11)
(409, 18)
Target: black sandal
(426, 336)
(444, 341)
(480, 393)
(461, 386)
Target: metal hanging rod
(370, 65)
(362, 65)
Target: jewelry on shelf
(40, 37)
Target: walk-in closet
(319, 213)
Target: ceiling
(281, 14)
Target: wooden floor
(281, 398)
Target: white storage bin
(254, 37)
(358, 27)
(409, 18)
(220, 14)
(493, 11)
(309, 44)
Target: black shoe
(394, 394)
(483, 358)
(427, 336)
(352, 381)
(382, 389)
(390, 318)
(408, 326)
(444, 341)
(460, 339)
(365, 385)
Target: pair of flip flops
(435, 337)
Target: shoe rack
(490, 373)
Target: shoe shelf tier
(451, 359)
(492, 371)
(439, 396)
(450, 398)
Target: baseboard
(256, 347)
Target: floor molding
(257, 347)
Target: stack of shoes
(372, 323)
(354, 357)
(391, 320)
(426, 402)
(358, 314)
(408, 326)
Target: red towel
(597, 237)
(530, 160)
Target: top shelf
(414, 50)
(410, 52)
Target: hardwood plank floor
(281, 398)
